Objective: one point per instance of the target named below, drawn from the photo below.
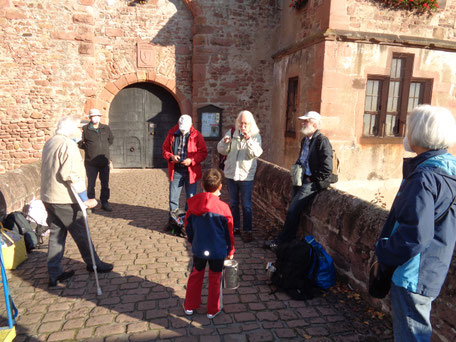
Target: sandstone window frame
(389, 99)
(291, 106)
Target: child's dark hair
(212, 179)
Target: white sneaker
(212, 316)
(188, 312)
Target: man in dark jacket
(315, 158)
(96, 139)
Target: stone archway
(103, 101)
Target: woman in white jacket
(242, 148)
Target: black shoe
(236, 231)
(104, 267)
(106, 206)
(61, 278)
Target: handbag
(296, 175)
(380, 277)
(13, 248)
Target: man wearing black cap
(316, 162)
(96, 139)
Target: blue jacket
(209, 226)
(410, 239)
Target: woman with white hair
(242, 147)
(418, 238)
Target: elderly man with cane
(62, 169)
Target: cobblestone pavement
(142, 298)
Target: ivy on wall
(419, 6)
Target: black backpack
(17, 222)
(295, 270)
(176, 223)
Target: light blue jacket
(411, 239)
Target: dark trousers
(92, 173)
(302, 196)
(64, 218)
(195, 285)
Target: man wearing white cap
(184, 149)
(96, 139)
(315, 158)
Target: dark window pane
(292, 100)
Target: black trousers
(64, 219)
(92, 173)
(215, 265)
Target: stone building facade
(335, 51)
(135, 61)
(143, 63)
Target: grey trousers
(64, 218)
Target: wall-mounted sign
(210, 122)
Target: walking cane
(92, 254)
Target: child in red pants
(209, 227)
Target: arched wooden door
(140, 117)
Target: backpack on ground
(222, 158)
(17, 222)
(325, 276)
(295, 269)
(176, 224)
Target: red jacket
(196, 151)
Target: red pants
(195, 285)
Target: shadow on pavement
(133, 297)
(136, 215)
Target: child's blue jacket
(410, 239)
(209, 226)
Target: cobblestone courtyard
(142, 298)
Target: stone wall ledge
(18, 187)
(348, 228)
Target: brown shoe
(247, 237)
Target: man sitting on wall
(315, 158)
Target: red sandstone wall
(57, 56)
(232, 66)
(64, 57)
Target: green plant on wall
(298, 4)
(411, 5)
